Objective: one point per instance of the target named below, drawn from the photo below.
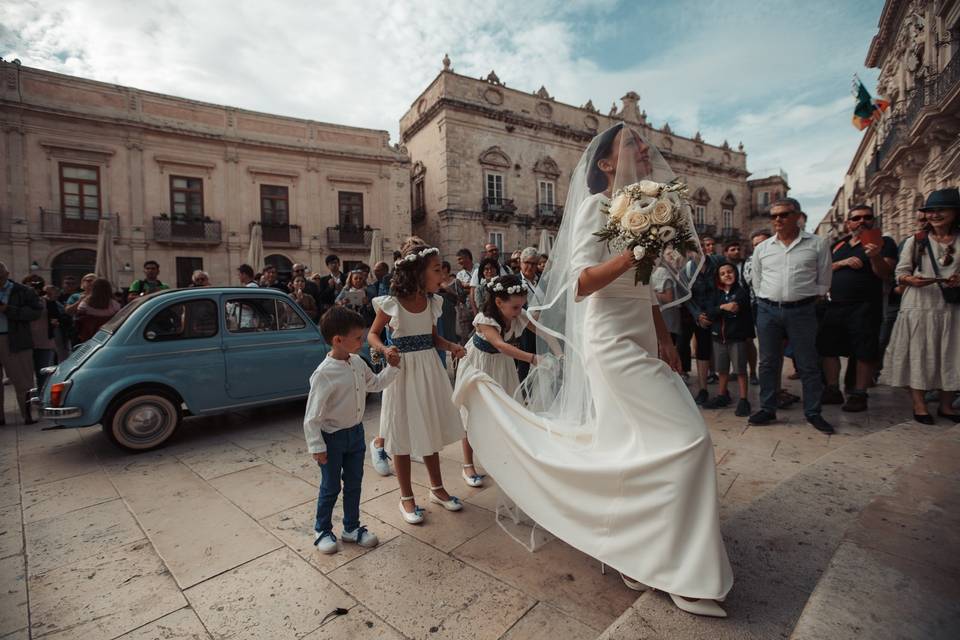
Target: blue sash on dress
(406, 344)
(483, 345)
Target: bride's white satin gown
(643, 500)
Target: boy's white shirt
(338, 397)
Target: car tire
(142, 419)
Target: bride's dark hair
(596, 179)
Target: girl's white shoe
(453, 504)
(416, 517)
(472, 480)
(701, 607)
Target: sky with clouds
(774, 74)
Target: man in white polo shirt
(790, 272)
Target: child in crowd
(333, 425)
(501, 320)
(732, 326)
(417, 416)
(354, 295)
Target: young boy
(333, 424)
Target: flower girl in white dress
(417, 416)
(501, 320)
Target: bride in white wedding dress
(608, 450)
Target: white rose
(650, 188)
(639, 252)
(635, 221)
(667, 234)
(662, 212)
(619, 207)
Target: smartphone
(870, 236)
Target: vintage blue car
(184, 351)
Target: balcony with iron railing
(499, 209)
(349, 237)
(279, 234)
(181, 230)
(704, 229)
(58, 223)
(549, 210)
(927, 97)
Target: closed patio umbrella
(544, 247)
(105, 258)
(376, 249)
(255, 250)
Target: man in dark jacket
(19, 306)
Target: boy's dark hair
(736, 274)
(465, 253)
(445, 265)
(338, 321)
(151, 262)
(731, 243)
(490, 308)
(331, 258)
(246, 270)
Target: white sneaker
(325, 542)
(362, 537)
(379, 459)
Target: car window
(248, 315)
(289, 318)
(183, 321)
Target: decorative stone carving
(493, 79)
(495, 157)
(418, 169)
(728, 201)
(666, 128)
(613, 110)
(631, 110)
(589, 107)
(544, 110)
(591, 123)
(740, 147)
(542, 93)
(666, 143)
(493, 96)
(725, 145)
(697, 137)
(547, 166)
(446, 63)
(700, 196)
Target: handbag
(951, 295)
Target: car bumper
(55, 413)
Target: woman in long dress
(613, 457)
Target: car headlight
(58, 392)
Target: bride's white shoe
(701, 607)
(633, 584)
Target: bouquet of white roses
(650, 218)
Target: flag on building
(868, 109)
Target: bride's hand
(669, 354)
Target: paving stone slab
(358, 624)
(556, 574)
(196, 531)
(11, 531)
(182, 624)
(104, 595)
(62, 496)
(64, 539)
(424, 593)
(263, 490)
(13, 595)
(210, 459)
(544, 622)
(278, 595)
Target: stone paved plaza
(850, 535)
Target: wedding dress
(627, 474)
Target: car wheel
(142, 419)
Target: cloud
(775, 75)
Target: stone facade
(491, 163)
(184, 182)
(915, 147)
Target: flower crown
(497, 286)
(413, 257)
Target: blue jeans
(345, 451)
(799, 326)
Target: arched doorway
(282, 264)
(74, 262)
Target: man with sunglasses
(790, 271)
(862, 261)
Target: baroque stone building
(183, 181)
(915, 147)
(491, 164)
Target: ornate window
(547, 192)
(274, 205)
(350, 206)
(80, 191)
(496, 237)
(494, 187)
(727, 220)
(186, 198)
(699, 214)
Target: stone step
(780, 544)
(896, 574)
